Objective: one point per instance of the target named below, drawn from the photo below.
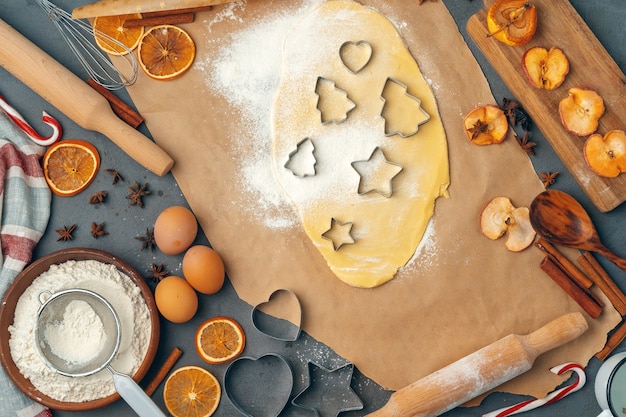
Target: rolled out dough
(371, 192)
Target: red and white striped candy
(550, 398)
(32, 133)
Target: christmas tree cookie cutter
(329, 97)
(420, 114)
(328, 392)
(296, 162)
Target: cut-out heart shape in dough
(355, 55)
(284, 305)
(259, 387)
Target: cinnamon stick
(576, 274)
(167, 366)
(168, 19)
(614, 340)
(121, 109)
(602, 279)
(585, 299)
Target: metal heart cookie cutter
(259, 387)
(282, 304)
(328, 392)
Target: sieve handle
(134, 396)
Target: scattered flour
(127, 300)
(247, 73)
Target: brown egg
(175, 229)
(176, 299)
(203, 268)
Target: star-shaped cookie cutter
(328, 392)
(339, 234)
(386, 190)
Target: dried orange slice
(113, 26)
(191, 391)
(219, 340)
(166, 52)
(69, 166)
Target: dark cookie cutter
(272, 406)
(290, 336)
(335, 395)
(419, 102)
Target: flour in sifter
(125, 297)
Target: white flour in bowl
(125, 297)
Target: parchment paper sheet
(463, 291)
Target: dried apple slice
(545, 68)
(581, 110)
(606, 155)
(486, 125)
(500, 217)
(513, 22)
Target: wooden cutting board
(590, 66)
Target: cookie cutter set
(354, 56)
(262, 386)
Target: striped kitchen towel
(24, 213)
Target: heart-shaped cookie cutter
(288, 327)
(246, 376)
(355, 55)
(328, 392)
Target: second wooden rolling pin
(481, 371)
(77, 100)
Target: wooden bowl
(23, 281)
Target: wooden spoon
(559, 218)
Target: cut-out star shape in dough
(339, 234)
(328, 392)
(302, 161)
(376, 174)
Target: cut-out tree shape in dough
(333, 103)
(302, 161)
(402, 111)
(339, 234)
(376, 174)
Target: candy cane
(32, 134)
(550, 398)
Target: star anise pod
(158, 273)
(98, 198)
(97, 230)
(515, 113)
(116, 176)
(548, 178)
(147, 241)
(478, 128)
(136, 193)
(66, 233)
(525, 143)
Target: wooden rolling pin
(72, 96)
(481, 371)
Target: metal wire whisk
(79, 36)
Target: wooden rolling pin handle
(481, 371)
(73, 97)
